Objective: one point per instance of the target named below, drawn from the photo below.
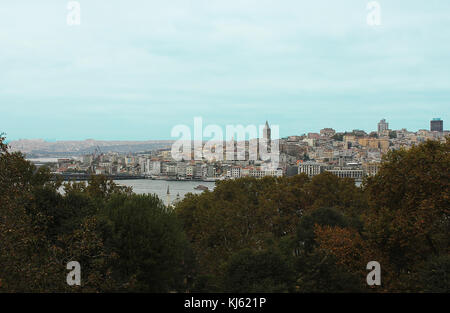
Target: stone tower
(267, 136)
(266, 132)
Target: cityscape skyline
(352, 155)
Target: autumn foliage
(328, 229)
(288, 234)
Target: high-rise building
(383, 126)
(437, 125)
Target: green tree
(149, 242)
(328, 190)
(39, 236)
(409, 215)
(258, 271)
(435, 274)
(305, 236)
(229, 219)
(320, 272)
(27, 263)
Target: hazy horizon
(51, 140)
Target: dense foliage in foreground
(289, 234)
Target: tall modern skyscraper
(437, 125)
(382, 126)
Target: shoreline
(86, 177)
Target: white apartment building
(181, 169)
(154, 167)
(274, 172)
(236, 172)
(190, 170)
(257, 173)
(356, 174)
(311, 168)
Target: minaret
(168, 196)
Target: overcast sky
(134, 69)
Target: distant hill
(42, 148)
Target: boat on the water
(201, 187)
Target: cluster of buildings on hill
(354, 154)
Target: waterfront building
(181, 169)
(190, 170)
(155, 168)
(171, 169)
(198, 172)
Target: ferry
(201, 187)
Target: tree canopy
(286, 234)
